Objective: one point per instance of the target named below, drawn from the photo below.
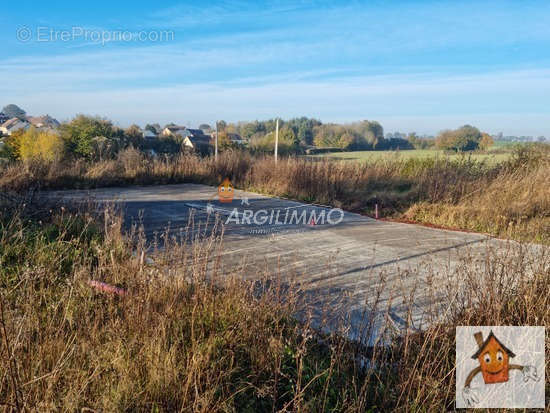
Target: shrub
(40, 145)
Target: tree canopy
(34, 144)
(465, 138)
(89, 137)
(155, 128)
(309, 131)
(205, 127)
(14, 111)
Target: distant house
(12, 125)
(199, 143)
(45, 121)
(235, 138)
(147, 134)
(197, 140)
(193, 133)
(174, 131)
(3, 118)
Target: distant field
(407, 154)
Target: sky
(419, 66)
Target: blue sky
(413, 65)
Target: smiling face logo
(225, 191)
(493, 359)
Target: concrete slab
(367, 271)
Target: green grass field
(407, 154)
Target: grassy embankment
(186, 338)
(507, 199)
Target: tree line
(298, 134)
(96, 138)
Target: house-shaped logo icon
(494, 358)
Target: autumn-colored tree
(12, 144)
(223, 139)
(465, 138)
(34, 144)
(346, 141)
(486, 141)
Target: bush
(40, 145)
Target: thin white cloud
(311, 36)
(421, 102)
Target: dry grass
(182, 339)
(189, 338)
(508, 199)
(515, 204)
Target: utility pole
(216, 144)
(276, 139)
